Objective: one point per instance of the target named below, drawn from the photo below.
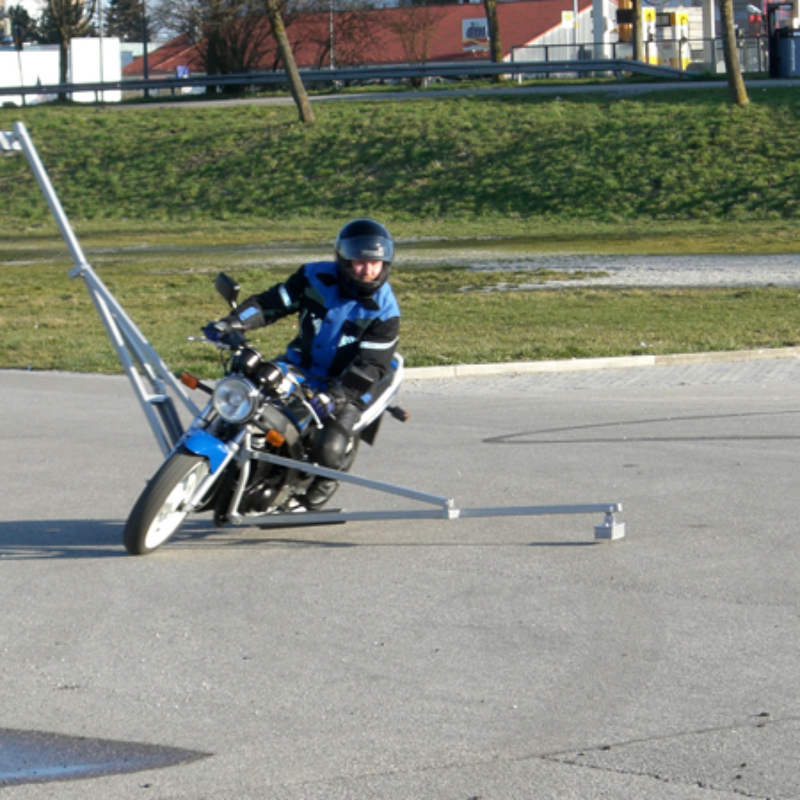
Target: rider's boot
(319, 493)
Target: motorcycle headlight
(234, 399)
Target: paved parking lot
(493, 658)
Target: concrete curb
(567, 365)
(576, 365)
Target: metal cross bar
(138, 358)
(609, 529)
(346, 477)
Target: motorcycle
(246, 453)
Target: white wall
(85, 66)
(563, 38)
(38, 64)
(33, 65)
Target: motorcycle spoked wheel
(160, 510)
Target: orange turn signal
(275, 439)
(190, 380)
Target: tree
(349, 35)
(24, 27)
(123, 19)
(230, 37)
(414, 26)
(638, 37)
(234, 36)
(733, 70)
(63, 21)
(295, 83)
(177, 17)
(495, 49)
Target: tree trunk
(63, 64)
(638, 34)
(284, 48)
(736, 88)
(70, 19)
(495, 49)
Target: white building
(90, 61)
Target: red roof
(413, 34)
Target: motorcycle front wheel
(161, 508)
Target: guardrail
(704, 54)
(473, 69)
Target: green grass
(163, 198)
(525, 162)
(449, 317)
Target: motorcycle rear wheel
(160, 509)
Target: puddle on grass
(39, 757)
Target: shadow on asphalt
(40, 757)
(94, 539)
(76, 538)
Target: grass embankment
(658, 173)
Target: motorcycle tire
(159, 511)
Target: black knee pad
(334, 444)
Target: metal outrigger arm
(610, 529)
(144, 368)
(149, 375)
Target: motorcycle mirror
(228, 288)
(356, 378)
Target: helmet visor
(370, 248)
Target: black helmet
(363, 239)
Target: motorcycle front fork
(244, 457)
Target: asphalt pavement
(501, 657)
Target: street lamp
(575, 28)
(100, 33)
(145, 68)
(330, 25)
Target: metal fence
(682, 59)
(697, 55)
(358, 75)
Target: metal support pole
(610, 529)
(135, 353)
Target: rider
(348, 318)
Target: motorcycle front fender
(218, 453)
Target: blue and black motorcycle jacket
(335, 328)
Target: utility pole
(145, 66)
(100, 34)
(330, 25)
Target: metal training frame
(152, 380)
